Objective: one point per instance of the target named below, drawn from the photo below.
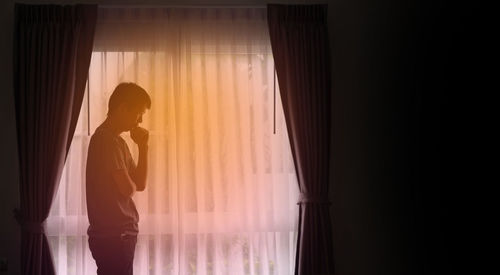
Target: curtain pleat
(52, 50)
(299, 40)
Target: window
(222, 189)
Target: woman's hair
(129, 93)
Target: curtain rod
(182, 6)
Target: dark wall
(389, 206)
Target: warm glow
(222, 190)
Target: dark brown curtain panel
(299, 41)
(52, 50)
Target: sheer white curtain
(222, 189)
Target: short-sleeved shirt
(110, 213)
